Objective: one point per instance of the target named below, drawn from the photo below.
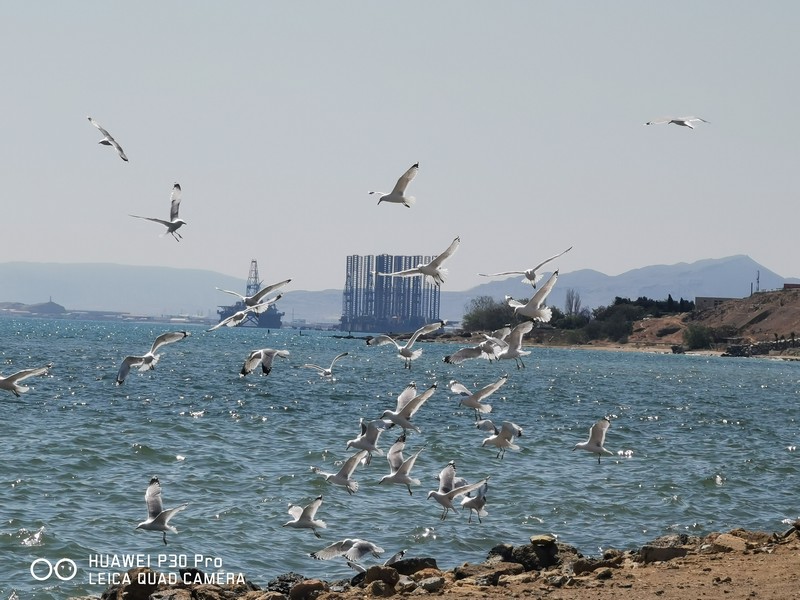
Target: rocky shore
(737, 564)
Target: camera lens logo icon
(42, 569)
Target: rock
(172, 594)
(380, 589)
(650, 554)
(521, 579)
(501, 552)
(725, 542)
(409, 566)
(603, 573)
(587, 565)
(425, 573)
(542, 539)
(134, 590)
(388, 575)
(307, 589)
(284, 583)
(432, 584)
(487, 573)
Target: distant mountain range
(166, 291)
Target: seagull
(476, 503)
(256, 298)
(345, 475)
(502, 438)
(531, 275)
(174, 222)
(489, 348)
(263, 357)
(407, 408)
(433, 270)
(108, 140)
(405, 352)
(683, 121)
(534, 307)
(447, 492)
(157, 517)
(400, 469)
(304, 517)
(398, 194)
(368, 438)
(388, 562)
(238, 317)
(10, 383)
(513, 348)
(473, 399)
(322, 370)
(597, 437)
(353, 549)
(149, 360)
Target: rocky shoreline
(542, 568)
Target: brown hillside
(757, 318)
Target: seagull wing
(395, 454)
(252, 361)
(406, 396)
(503, 273)
(547, 260)
(463, 354)
(404, 273)
(175, 202)
(310, 511)
(333, 550)
(659, 121)
(436, 262)
(127, 363)
(380, 340)
(337, 357)
(256, 298)
(424, 330)
(466, 489)
(405, 179)
(408, 464)
(515, 337)
(230, 292)
(541, 294)
(361, 548)
(168, 338)
(490, 389)
(351, 463)
(110, 139)
(25, 373)
(597, 433)
(269, 356)
(459, 388)
(152, 498)
(416, 403)
(508, 430)
(162, 221)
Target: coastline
(738, 564)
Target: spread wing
(168, 338)
(175, 199)
(152, 498)
(436, 262)
(405, 179)
(547, 260)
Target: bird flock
(452, 490)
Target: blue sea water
(705, 443)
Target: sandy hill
(757, 318)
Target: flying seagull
(353, 549)
(174, 222)
(433, 269)
(344, 477)
(502, 438)
(405, 352)
(450, 488)
(513, 348)
(473, 399)
(10, 383)
(682, 121)
(407, 407)
(476, 503)
(304, 517)
(157, 517)
(597, 437)
(238, 317)
(263, 357)
(108, 140)
(534, 308)
(326, 372)
(531, 275)
(256, 298)
(397, 195)
(400, 468)
(149, 360)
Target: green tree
(484, 313)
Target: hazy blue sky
(277, 118)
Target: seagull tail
(544, 314)
(409, 201)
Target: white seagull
(304, 517)
(531, 275)
(10, 383)
(489, 348)
(174, 222)
(476, 503)
(368, 438)
(345, 475)
(238, 317)
(256, 298)
(474, 399)
(513, 347)
(682, 121)
(405, 352)
(502, 438)
(108, 140)
(433, 269)
(149, 360)
(389, 561)
(398, 194)
(449, 489)
(535, 308)
(597, 437)
(407, 408)
(323, 371)
(353, 549)
(157, 517)
(263, 357)
(400, 469)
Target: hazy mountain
(167, 291)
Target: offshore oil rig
(271, 318)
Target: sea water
(700, 444)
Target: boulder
(487, 573)
(388, 575)
(409, 566)
(307, 589)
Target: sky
(276, 118)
